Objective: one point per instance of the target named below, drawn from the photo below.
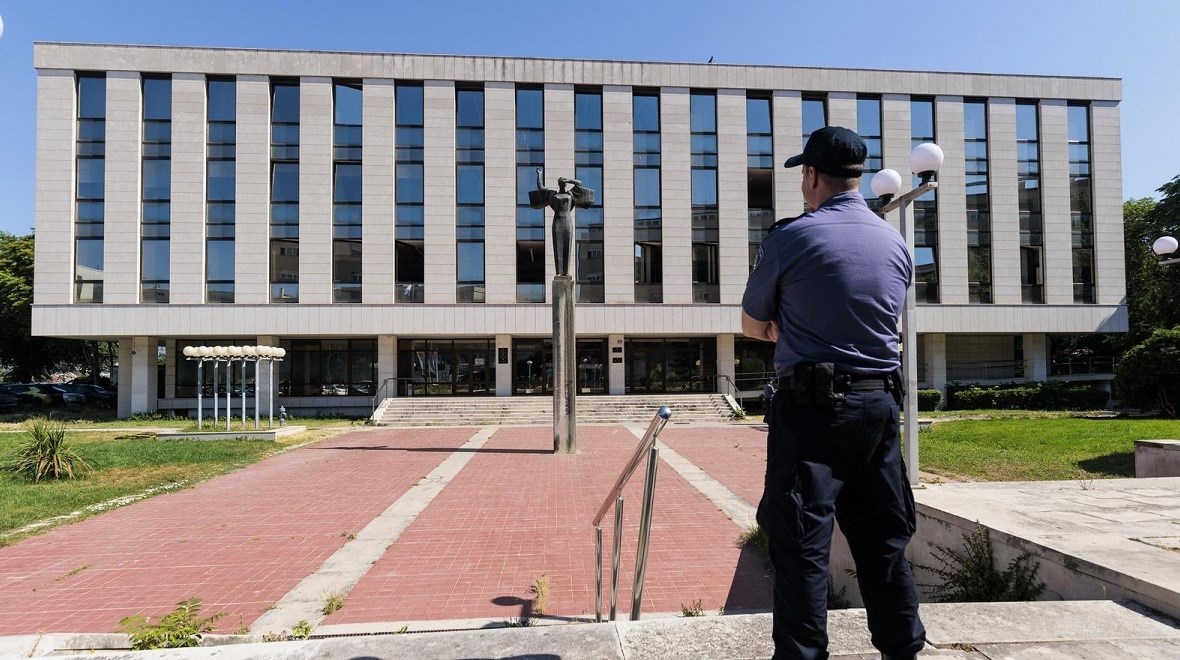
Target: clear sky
(1134, 40)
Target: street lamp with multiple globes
(229, 354)
(924, 161)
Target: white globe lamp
(280, 352)
(235, 351)
(190, 351)
(220, 351)
(886, 184)
(204, 351)
(925, 159)
(250, 351)
(1165, 245)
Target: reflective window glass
(92, 96)
(647, 112)
(975, 120)
(815, 115)
(1026, 121)
(155, 260)
(469, 107)
(647, 187)
(91, 178)
(703, 113)
(348, 97)
(408, 105)
(220, 260)
(223, 100)
(157, 99)
(409, 185)
(587, 111)
(284, 182)
(758, 115)
(348, 182)
(530, 108)
(221, 180)
(469, 184)
(285, 103)
(157, 179)
(1079, 124)
(470, 258)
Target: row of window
(469, 196)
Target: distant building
(368, 212)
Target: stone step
(436, 411)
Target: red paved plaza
(514, 512)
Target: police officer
(829, 290)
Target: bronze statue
(562, 203)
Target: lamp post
(925, 159)
(1164, 246)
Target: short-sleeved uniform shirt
(835, 281)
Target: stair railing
(647, 445)
(381, 393)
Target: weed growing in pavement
(755, 537)
(970, 576)
(403, 630)
(540, 593)
(275, 637)
(242, 628)
(301, 630)
(180, 628)
(333, 603)
(692, 609)
(837, 600)
(518, 622)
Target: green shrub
(929, 399)
(46, 454)
(1050, 395)
(1148, 375)
(970, 576)
(179, 628)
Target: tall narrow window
(156, 228)
(588, 226)
(1028, 178)
(346, 193)
(220, 185)
(979, 228)
(408, 195)
(815, 117)
(530, 222)
(925, 210)
(469, 195)
(759, 171)
(649, 270)
(284, 191)
(705, 259)
(91, 184)
(868, 125)
(1081, 203)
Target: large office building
(369, 213)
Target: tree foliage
(1148, 375)
(22, 355)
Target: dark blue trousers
(844, 466)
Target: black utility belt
(822, 384)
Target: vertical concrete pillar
(1003, 186)
(725, 366)
(1057, 261)
(125, 377)
(1036, 357)
(124, 142)
(187, 254)
(252, 192)
(387, 363)
(439, 196)
(787, 123)
(504, 369)
(144, 376)
(617, 373)
(896, 133)
(676, 192)
(952, 201)
(172, 360)
(267, 382)
(1110, 276)
(315, 190)
(935, 350)
(500, 192)
(56, 120)
(618, 172)
(559, 155)
(733, 201)
(377, 183)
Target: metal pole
(257, 394)
(229, 392)
(200, 386)
(215, 397)
(614, 566)
(270, 391)
(910, 361)
(243, 394)
(598, 575)
(649, 497)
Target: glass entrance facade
(532, 366)
(446, 367)
(671, 365)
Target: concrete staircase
(522, 410)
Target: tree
(27, 357)
(1148, 375)
(1153, 291)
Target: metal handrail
(646, 446)
(378, 398)
(730, 386)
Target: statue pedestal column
(564, 367)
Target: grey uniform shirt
(835, 281)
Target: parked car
(92, 395)
(36, 395)
(9, 404)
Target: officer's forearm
(755, 329)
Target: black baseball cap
(833, 150)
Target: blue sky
(1129, 39)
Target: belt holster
(818, 385)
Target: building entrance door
(532, 367)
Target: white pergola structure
(229, 355)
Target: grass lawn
(121, 465)
(1038, 446)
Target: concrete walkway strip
(340, 572)
(734, 507)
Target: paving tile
(239, 542)
(516, 511)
